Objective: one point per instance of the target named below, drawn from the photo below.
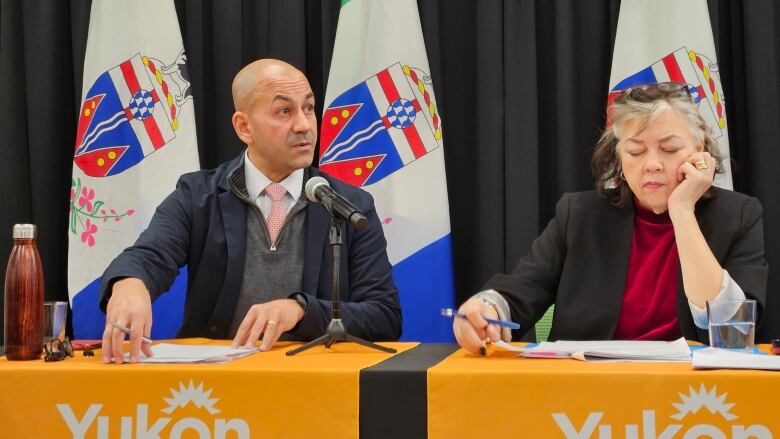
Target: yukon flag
(671, 40)
(381, 130)
(135, 137)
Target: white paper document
(180, 353)
(711, 358)
(623, 350)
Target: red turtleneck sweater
(650, 296)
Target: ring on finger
(272, 322)
(701, 165)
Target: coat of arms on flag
(129, 112)
(381, 130)
(691, 68)
(379, 126)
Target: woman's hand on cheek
(695, 176)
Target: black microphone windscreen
(311, 186)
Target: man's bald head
(275, 117)
(253, 79)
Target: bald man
(259, 263)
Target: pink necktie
(278, 213)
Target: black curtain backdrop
(521, 86)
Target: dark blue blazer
(203, 224)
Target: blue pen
(451, 313)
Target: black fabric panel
(38, 127)
(14, 180)
(747, 42)
(520, 85)
(394, 393)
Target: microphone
(319, 191)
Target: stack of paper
(624, 350)
(711, 358)
(180, 353)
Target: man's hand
(131, 306)
(472, 331)
(271, 319)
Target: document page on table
(179, 353)
(714, 358)
(623, 350)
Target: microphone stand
(336, 331)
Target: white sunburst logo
(190, 393)
(145, 424)
(695, 400)
(650, 426)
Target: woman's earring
(622, 177)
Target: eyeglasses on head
(656, 90)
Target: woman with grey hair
(637, 258)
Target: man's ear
(241, 125)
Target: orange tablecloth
(504, 396)
(265, 395)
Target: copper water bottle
(24, 297)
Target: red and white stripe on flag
(388, 87)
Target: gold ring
(271, 323)
(701, 164)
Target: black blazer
(580, 261)
(203, 224)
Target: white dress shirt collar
(256, 181)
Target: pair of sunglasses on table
(57, 349)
